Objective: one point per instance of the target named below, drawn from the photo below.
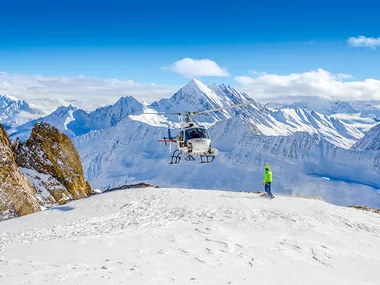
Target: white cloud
(189, 67)
(363, 41)
(82, 91)
(319, 83)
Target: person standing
(267, 182)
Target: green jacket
(267, 176)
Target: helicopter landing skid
(176, 157)
(189, 158)
(207, 158)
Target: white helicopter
(192, 138)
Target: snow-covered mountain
(177, 236)
(302, 162)
(371, 141)
(309, 151)
(15, 112)
(195, 96)
(360, 114)
(60, 119)
(75, 122)
(265, 121)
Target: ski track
(174, 236)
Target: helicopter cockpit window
(181, 136)
(196, 133)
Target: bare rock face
(52, 164)
(17, 196)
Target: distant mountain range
(309, 151)
(196, 96)
(360, 114)
(15, 112)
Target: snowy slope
(330, 128)
(302, 163)
(173, 236)
(15, 112)
(359, 114)
(371, 141)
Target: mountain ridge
(196, 96)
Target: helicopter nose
(201, 145)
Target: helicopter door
(181, 137)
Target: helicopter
(192, 138)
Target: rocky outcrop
(17, 196)
(52, 164)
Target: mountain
(75, 122)
(371, 141)
(195, 96)
(17, 196)
(60, 119)
(302, 162)
(52, 164)
(15, 112)
(359, 114)
(309, 152)
(41, 172)
(104, 117)
(179, 236)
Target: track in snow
(171, 236)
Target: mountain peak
(197, 85)
(8, 98)
(64, 109)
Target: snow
(11, 98)
(40, 181)
(358, 114)
(15, 112)
(177, 236)
(118, 145)
(196, 96)
(69, 119)
(117, 157)
(153, 119)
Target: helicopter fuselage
(195, 146)
(193, 139)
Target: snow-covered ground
(174, 236)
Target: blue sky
(136, 40)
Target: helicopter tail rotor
(169, 140)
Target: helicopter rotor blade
(163, 113)
(222, 108)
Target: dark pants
(268, 189)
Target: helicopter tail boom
(167, 140)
